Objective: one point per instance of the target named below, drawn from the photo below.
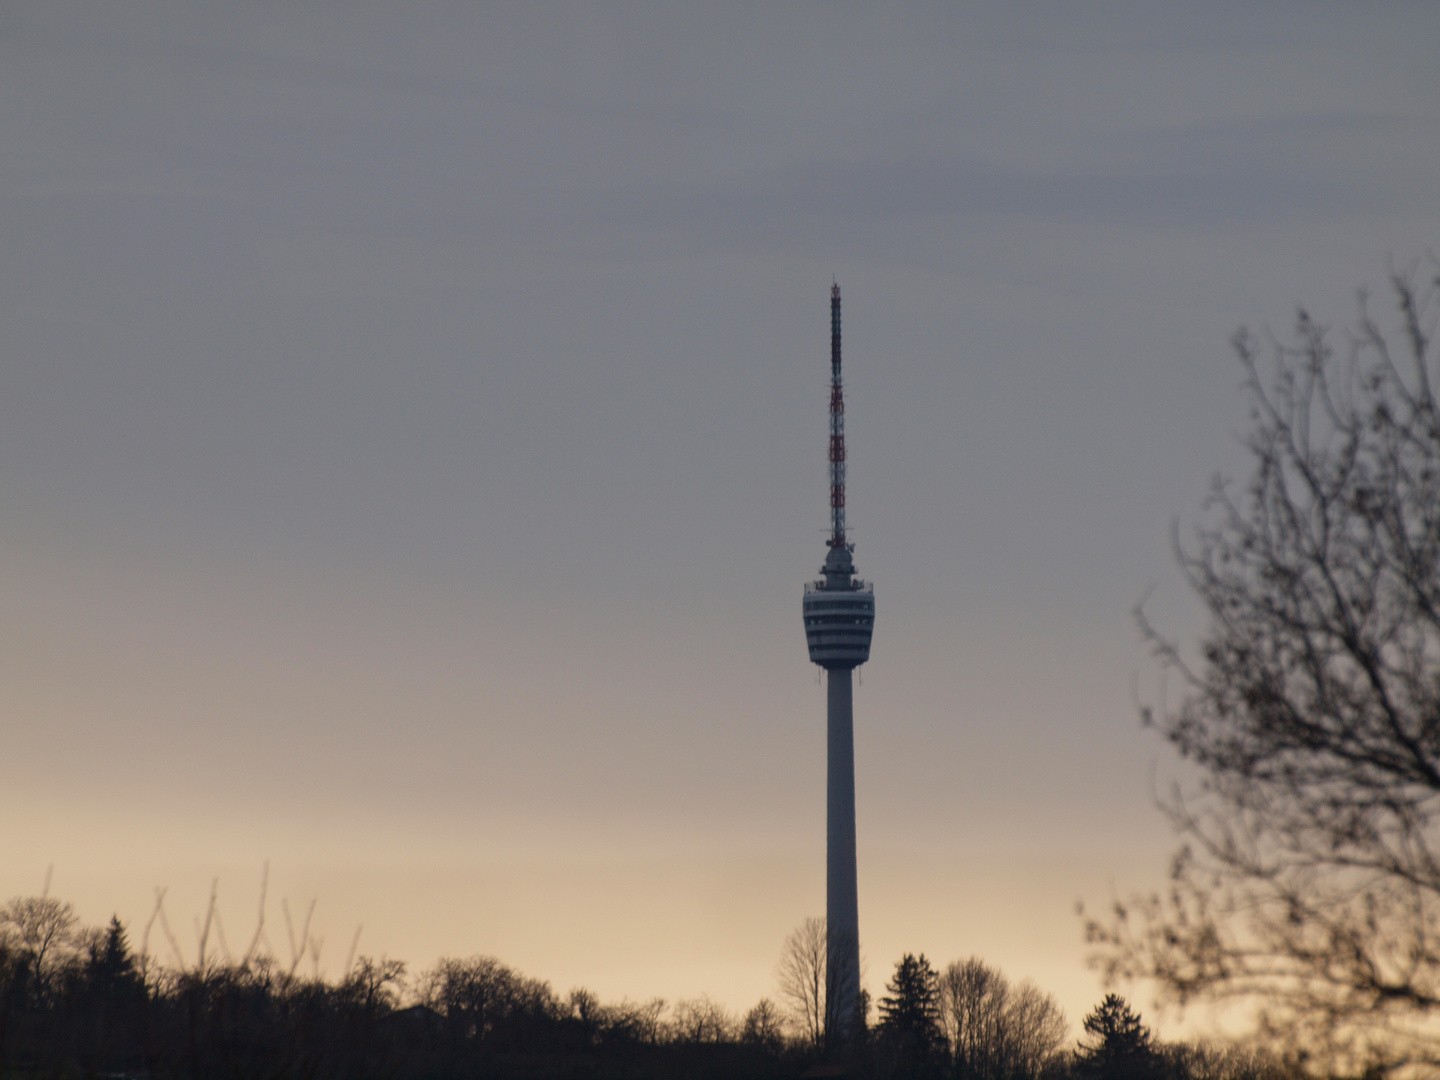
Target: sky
(413, 432)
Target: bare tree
(996, 1031)
(1220, 1061)
(375, 986)
(45, 930)
(972, 999)
(479, 995)
(1309, 882)
(802, 982)
(700, 1020)
(635, 1021)
(584, 1005)
(1036, 1027)
(764, 1026)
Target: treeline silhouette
(80, 1002)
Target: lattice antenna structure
(837, 427)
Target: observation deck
(839, 614)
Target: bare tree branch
(1309, 883)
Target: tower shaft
(842, 908)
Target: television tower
(839, 618)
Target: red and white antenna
(837, 428)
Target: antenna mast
(837, 428)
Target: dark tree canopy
(478, 1018)
(910, 1010)
(109, 959)
(1309, 884)
(1117, 1046)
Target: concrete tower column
(841, 904)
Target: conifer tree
(1118, 1046)
(910, 1010)
(110, 963)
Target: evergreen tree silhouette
(111, 966)
(910, 1013)
(1119, 1046)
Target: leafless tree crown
(1309, 883)
(801, 978)
(996, 1031)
